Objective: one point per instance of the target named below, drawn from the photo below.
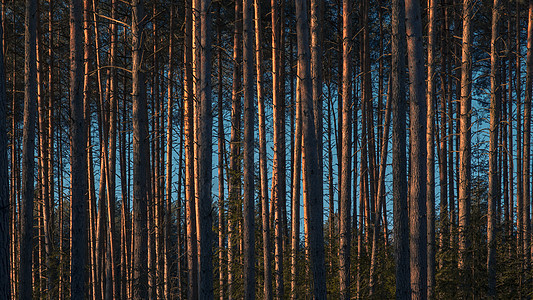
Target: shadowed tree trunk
(5, 238)
(399, 157)
(310, 152)
(28, 146)
(248, 157)
(494, 187)
(205, 148)
(140, 153)
(78, 136)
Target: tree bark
(418, 152)
(205, 157)
(78, 157)
(262, 154)
(140, 155)
(248, 161)
(399, 157)
(188, 128)
(5, 238)
(494, 186)
(278, 174)
(28, 146)
(346, 158)
(310, 152)
(430, 161)
(464, 139)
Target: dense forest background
(193, 149)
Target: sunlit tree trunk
(278, 177)
(464, 196)
(295, 205)
(418, 152)
(430, 161)
(188, 118)
(262, 154)
(346, 172)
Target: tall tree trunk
(221, 151)
(317, 19)
(310, 152)
(399, 157)
(168, 222)
(248, 156)
(346, 166)
(5, 238)
(380, 196)
(430, 161)
(78, 133)
(262, 154)
(494, 186)
(28, 145)
(188, 116)
(205, 125)
(235, 152)
(278, 177)
(140, 155)
(464, 140)
(296, 176)
(418, 152)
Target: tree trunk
(5, 238)
(380, 195)
(278, 177)
(399, 157)
(28, 145)
(205, 156)
(140, 156)
(248, 157)
(192, 261)
(221, 151)
(464, 140)
(310, 152)
(494, 186)
(418, 152)
(262, 154)
(78, 157)
(167, 281)
(430, 160)
(346, 172)
(296, 176)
